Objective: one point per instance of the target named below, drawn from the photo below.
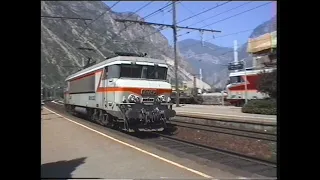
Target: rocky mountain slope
(212, 59)
(61, 53)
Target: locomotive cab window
(236, 79)
(130, 71)
(105, 73)
(144, 72)
(154, 72)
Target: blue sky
(246, 21)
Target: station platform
(228, 113)
(71, 148)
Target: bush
(268, 83)
(261, 106)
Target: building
(263, 50)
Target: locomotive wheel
(102, 118)
(72, 111)
(90, 115)
(95, 116)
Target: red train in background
(236, 86)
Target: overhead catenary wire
(80, 34)
(192, 13)
(234, 33)
(135, 13)
(220, 13)
(232, 46)
(145, 17)
(228, 17)
(140, 8)
(150, 15)
(163, 28)
(64, 17)
(159, 29)
(239, 13)
(204, 11)
(218, 36)
(222, 36)
(157, 11)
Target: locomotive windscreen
(143, 71)
(235, 79)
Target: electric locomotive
(129, 91)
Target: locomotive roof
(119, 60)
(250, 72)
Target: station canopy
(263, 42)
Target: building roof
(263, 42)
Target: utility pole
(174, 27)
(245, 79)
(194, 85)
(235, 51)
(200, 73)
(195, 89)
(174, 20)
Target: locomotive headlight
(133, 98)
(161, 98)
(168, 99)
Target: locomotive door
(104, 85)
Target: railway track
(259, 135)
(240, 132)
(228, 158)
(182, 119)
(225, 157)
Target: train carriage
(236, 87)
(128, 90)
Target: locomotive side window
(86, 84)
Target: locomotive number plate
(148, 92)
(92, 97)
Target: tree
(268, 83)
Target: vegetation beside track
(261, 106)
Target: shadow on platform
(60, 169)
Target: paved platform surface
(73, 149)
(226, 112)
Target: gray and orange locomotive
(129, 91)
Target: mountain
(62, 49)
(212, 59)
